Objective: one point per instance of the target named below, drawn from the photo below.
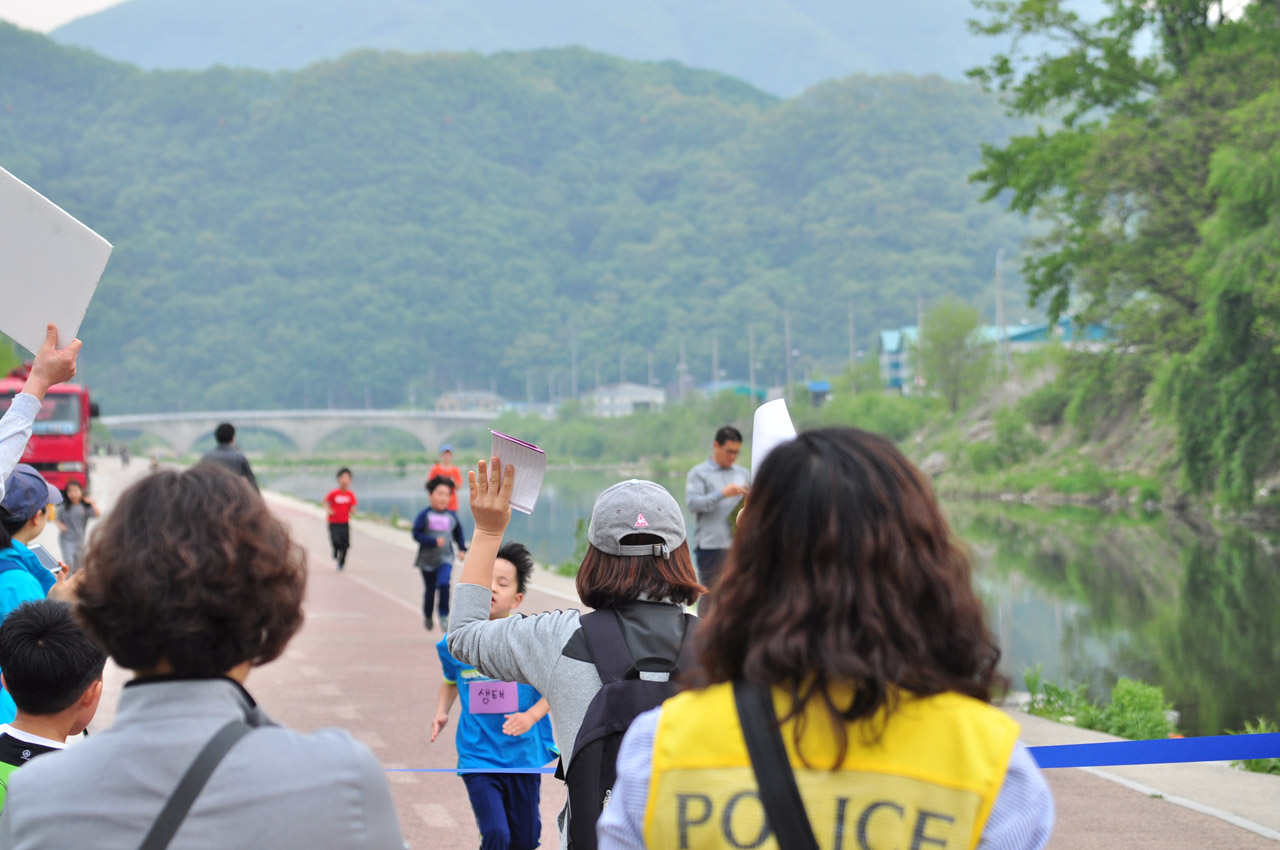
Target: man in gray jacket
(713, 489)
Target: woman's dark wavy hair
(844, 571)
(191, 568)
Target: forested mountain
(781, 46)
(388, 224)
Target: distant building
(897, 344)
(470, 400)
(623, 400)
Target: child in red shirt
(446, 469)
(341, 501)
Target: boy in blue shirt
(503, 725)
(437, 530)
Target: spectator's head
(510, 580)
(225, 434)
(191, 574)
(24, 509)
(344, 478)
(51, 667)
(845, 570)
(440, 489)
(74, 492)
(728, 444)
(636, 546)
(446, 453)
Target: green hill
(782, 46)
(388, 224)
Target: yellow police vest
(928, 782)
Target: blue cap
(26, 492)
(447, 447)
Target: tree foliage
(390, 226)
(952, 356)
(1156, 186)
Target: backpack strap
(192, 783)
(607, 645)
(783, 806)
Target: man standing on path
(712, 490)
(228, 455)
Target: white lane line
(346, 712)
(1236, 820)
(434, 814)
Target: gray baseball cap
(636, 507)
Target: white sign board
(772, 427)
(50, 265)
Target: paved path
(363, 662)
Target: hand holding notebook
(530, 463)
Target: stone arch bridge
(306, 428)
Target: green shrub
(1137, 711)
(569, 567)
(1268, 765)
(1012, 444)
(1046, 405)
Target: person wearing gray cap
(637, 564)
(23, 515)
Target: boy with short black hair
(437, 529)
(341, 501)
(53, 671)
(504, 726)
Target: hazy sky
(44, 15)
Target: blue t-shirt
(22, 579)
(480, 740)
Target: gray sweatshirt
(711, 511)
(548, 651)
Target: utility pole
(786, 335)
(622, 367)
(598, 373)
(573, 360)
(751, 364)
(919, 370)
(682, 370)
(528, 387)
(853, 337)
(1000, 320)
(551, 387)
(715, 361)
(650, 367)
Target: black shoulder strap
(783, 807)
(607, 645)
(192, 783)
(686, 661)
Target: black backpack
(623, 696)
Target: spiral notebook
(531, 466)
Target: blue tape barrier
(1162, 751)
(1105, 754)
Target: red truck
(59, 445)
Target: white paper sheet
(531, 466)
(772, 427)
(50, 265)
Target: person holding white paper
(52, 365)
(713, 490)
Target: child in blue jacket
(437, 529)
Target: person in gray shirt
(713, 490)
(191, 583)
(226, 454)
(637, 564)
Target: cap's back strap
(657, 550)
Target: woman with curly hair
(845, 682)
(191, 583)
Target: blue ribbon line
(1161, 751)
(1104, 754)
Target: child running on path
(503, 726)
(341, 502)
(437, 529)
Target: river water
(1089, 596)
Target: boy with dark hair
(53, 671)
(433, 529)
(341, 501)
(504, 726)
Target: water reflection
(1089, 596)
